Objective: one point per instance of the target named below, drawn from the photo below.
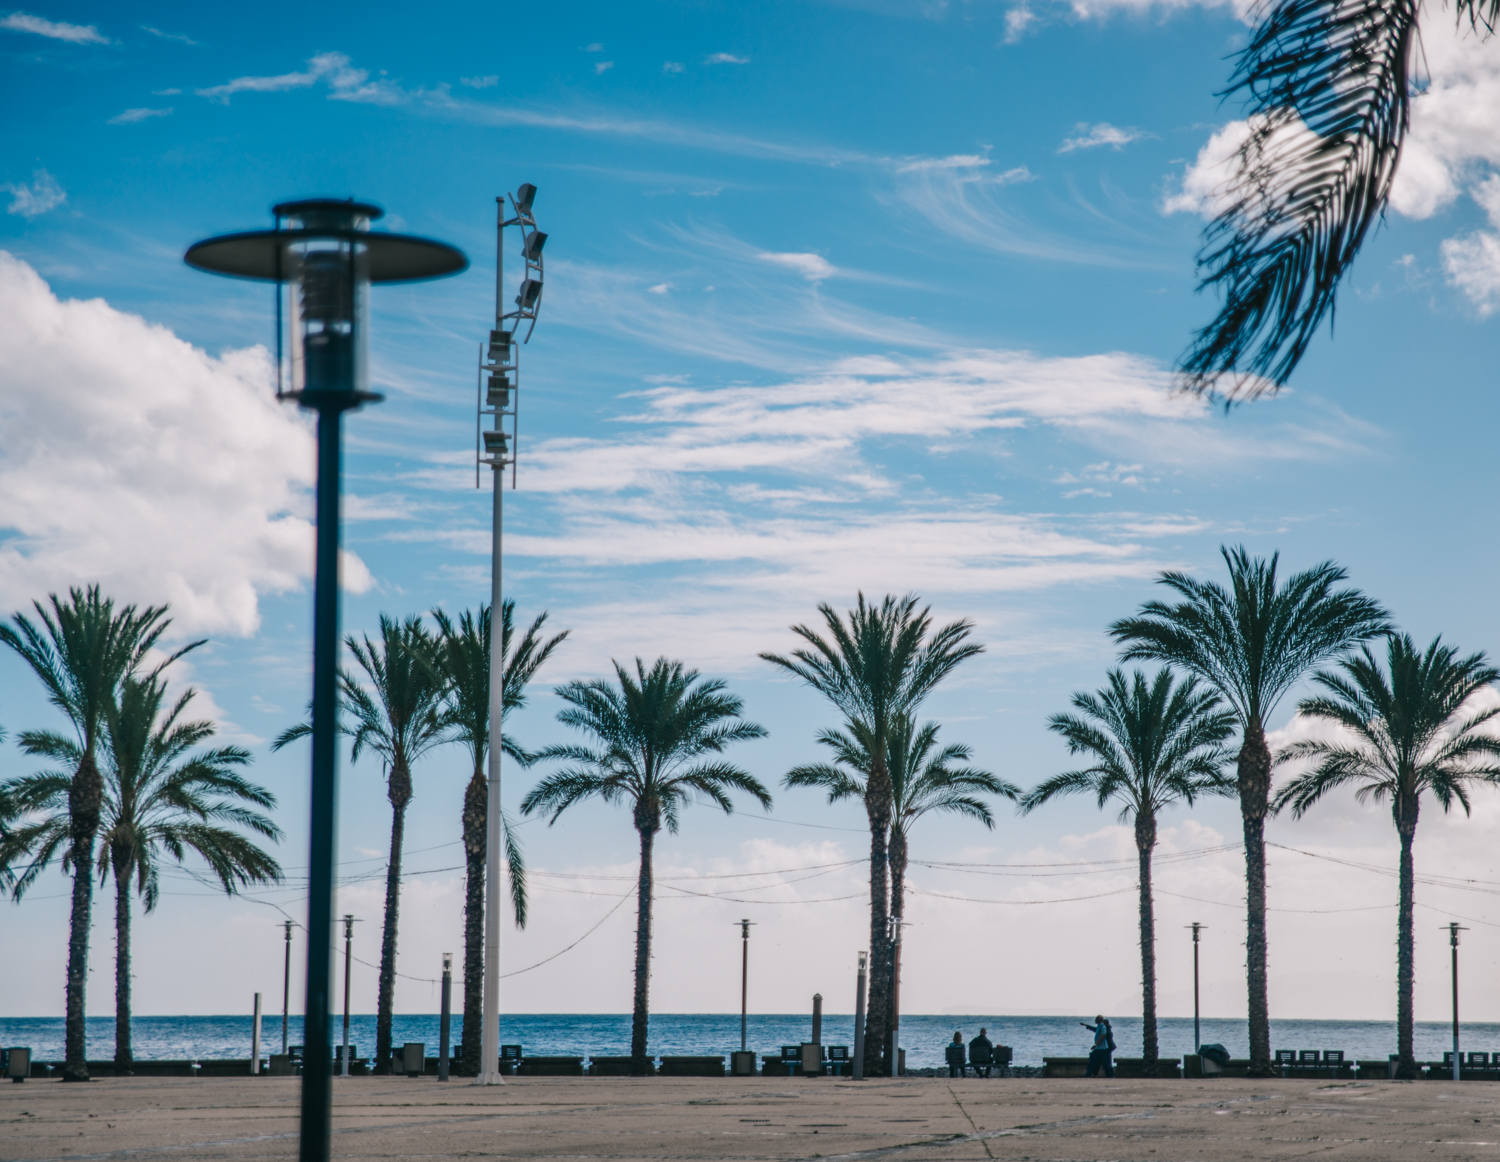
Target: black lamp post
(324, 252)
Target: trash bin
(742, 1063)
(18, 1063)
(414, 1057)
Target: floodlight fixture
(534, 243)
(524, 196)
(530, 294)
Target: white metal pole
(489, 1038)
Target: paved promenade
(760, 1118)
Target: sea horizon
(923, 1035)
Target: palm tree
(401, 721)
(1251, 644)
(1150, 746)
(1403, 735)
(463, 651)
(876, 669)
(921, 782)
(158, 798)
(653, 733)
(1328, 87)
(81, 652)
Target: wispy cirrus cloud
(345, 82)
(725, 58)
(131, 116)
(177, 36)
(485, 82)
(813, 267)
(1103, 134)
(53, 30)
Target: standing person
(1104, 1045)
(981, 1054)
(956, 1055)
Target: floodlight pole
(859, 1019)
(744, 978)
(489, 1039)
(497, 450)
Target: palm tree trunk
(476, 800)
(1255, 794)
(1145, 841)
(399, 793)
(640, 1064)
(124, 1060)
(85, 800)
(882, 961)
(897, 857)
(1406, 1066)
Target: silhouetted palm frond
(1328, 87)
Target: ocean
(924, 1036)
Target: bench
(550, 1067)
(692, 1067)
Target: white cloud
(660, 288)
(1472, 264)
(725, 58)
(487, 82)
(177, 36)
(595, 47)
(131, 116)
(32, 200)
(672, 66)
(331, 68)
(812, 267)
(75, 33)
(603, 67)
(1017, 21)
(161, 472)
(1092, 137)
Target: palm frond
(1327, 84)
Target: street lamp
(859, 1017)
(1454, 928)
(495, 448)
(1197, 1031)
(325, 253)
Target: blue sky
(840, 297)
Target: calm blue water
(180, 1038)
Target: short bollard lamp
(326, 256)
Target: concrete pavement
(738, 1119)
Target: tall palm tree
(158, 797)
(1411, 732)
(1251, 643)
(401, 721)
(1328, 85)
(463, 651)
(1150, 746)
(81, 652)
(921, 782)
(875, 669)
(654, 733)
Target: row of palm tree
(415, 690)
(1408, 726)
(657, 736)
(135, 778)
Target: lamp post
(349, 923)
(496, 449)
(859, 1018)
(744, 978)
(325, 253)
(446, 1017)
(286, 985)
(1197, 1031)
(1454, 928)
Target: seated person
(981, 1053)
(955, 1055)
